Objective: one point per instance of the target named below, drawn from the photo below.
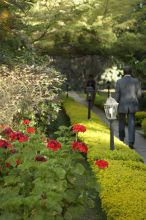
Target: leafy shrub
(144, 126)
(26, 88)
(39, 183)
(100, 100)
(139, 116)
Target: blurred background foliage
(30, 29)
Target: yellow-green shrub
(122, 185)
(139, 117)
(144, 126)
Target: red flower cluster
(7, 131)
(41, 158)
(18, 136)
(80, 146)
(53, 145)
(101, 164)
(30, 130)
(78, 128)
(25, 122)
(5, 144)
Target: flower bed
(41, 178)
(122, 186)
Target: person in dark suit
(128, 92)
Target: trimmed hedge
(144, 126)
(139, 117)
(122, 187)
(100, 100)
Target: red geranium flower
(23, 138)
(18, 136)
(101, 164)
(30, 130)
(54, 145)
(41, 158)
(18, 162)
(78, 128)
(25, 121)
(7, 164)
(7, 131)
(13, 151)
(4, 144)
(80, 146)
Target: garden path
(140, 141)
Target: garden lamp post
(108, 87)
(67, 89)
(90, 93)
(110, 108)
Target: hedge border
(122, 187)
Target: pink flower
(101, 164)
(53, 145)
(78, 128)
(30, 130)
(25, 121)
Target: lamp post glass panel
(110, 108)
(90, 94)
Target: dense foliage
(113, 29)
(32, 90)
(42, 178)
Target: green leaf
(73, 212)
(8, 216)
(79, 169)
(70, 196)
(60, 172)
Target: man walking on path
(128, 91)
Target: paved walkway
(140, 141)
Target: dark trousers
(131, 126)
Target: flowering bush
(25, 87)
(35, 178)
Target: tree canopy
(110, 28)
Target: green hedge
(144, 126)
(139, 117)
(100, 100)
(122, 187)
